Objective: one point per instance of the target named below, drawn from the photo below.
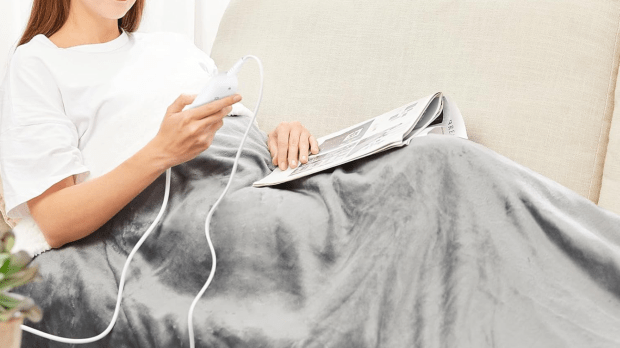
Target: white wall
(198, 19)
(13, 17)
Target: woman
(442, 243)
(81, 110)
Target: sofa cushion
(534, 79)
(610, 190)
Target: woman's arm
(67, 212)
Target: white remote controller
(219, 86)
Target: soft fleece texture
(442, 243)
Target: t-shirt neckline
(112, 45)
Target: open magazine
(435, 113)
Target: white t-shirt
(84, 110)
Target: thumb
(182, 101)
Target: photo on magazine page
(349, 137)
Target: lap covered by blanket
(442, 243)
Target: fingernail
(283, 166)
(237, 98)
(293, 163)
(303, 158)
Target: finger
(283, 134)
(272, 143)
(208, 131)
(212, 128)
(207, 139)
(304, 146)
(293, 146)
(213, 107)
(314, 145)
(215, 118)
(180, 103)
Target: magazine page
(452, 122)
(363, 139)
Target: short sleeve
(38, 142)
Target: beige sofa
(534, 79)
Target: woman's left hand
(290, 144)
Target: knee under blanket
(442, 243)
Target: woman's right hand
(184, 134)
(68, 211)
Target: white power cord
(190, 321)
(148, 232)
(120, 286)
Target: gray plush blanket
(442, 243)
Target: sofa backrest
(534, 79)
(610, 188)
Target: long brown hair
(48, 16)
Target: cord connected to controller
(190, 320)
(220, 86)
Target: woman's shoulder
(33, 50)
(30, 61)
